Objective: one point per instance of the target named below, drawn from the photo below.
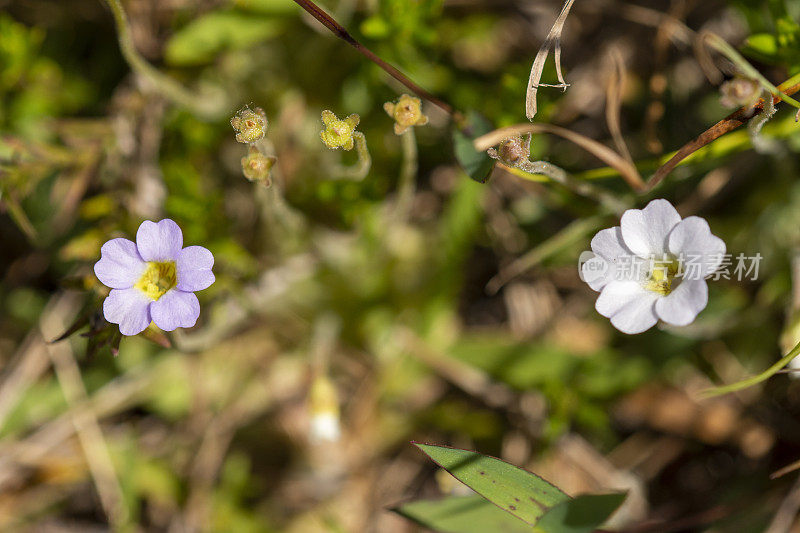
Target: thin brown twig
(658, 80)
(29, 366)
(315, 11)
(726, 125)
(86, 425)
(615, 87)
(791, 467)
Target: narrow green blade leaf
(582, 514)
(462, 514)
(477, 165)
(521, 493)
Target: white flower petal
(691, 240)
(681, 306)
(645, 231)
(594, 278)
(618, 260)
(629, 306)
(609, 245)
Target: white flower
(325, 427)
(653, 266)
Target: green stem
(747, 69)
(408, 173)
(749, 382)
(360, 170)
(165, 85)
(559, 175)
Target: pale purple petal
(129, 308)
(194, 269)
(645, 231)
(120, 265)
(160, 241)
(681, 306)
(630, 306)
(692, 241)
(176, 309)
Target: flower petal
(129, 308)
(595, 272)
(194, 269)
(629, 306)
(611, 256)
(120, 265)
(645, 231)
(608, 243)
(176, 309)
(681, 306)
(693, 242)
(160, 241)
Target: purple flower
(153, 279)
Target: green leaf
(375, 27)
(477, 165)
(462, 514)
(521, 493)
(582, 514)
(763, 44)
(267, 7)
(202, 39)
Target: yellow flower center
(158, 278)
(250, 126)
(662, 275)
(339, 132)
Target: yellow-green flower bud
(256, 166)
(250, 125)
(740, 92)
(407, 112)
(338, 133)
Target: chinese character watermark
(592, 267)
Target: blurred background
(341, 328)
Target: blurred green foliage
(88, 151)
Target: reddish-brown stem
(338, 30)
(726, 125)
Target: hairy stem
(559, 175)
(165, 85)
(360, 170)
(408, 174)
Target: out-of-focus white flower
(652, 267)
(324, 411)
(325, 427)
